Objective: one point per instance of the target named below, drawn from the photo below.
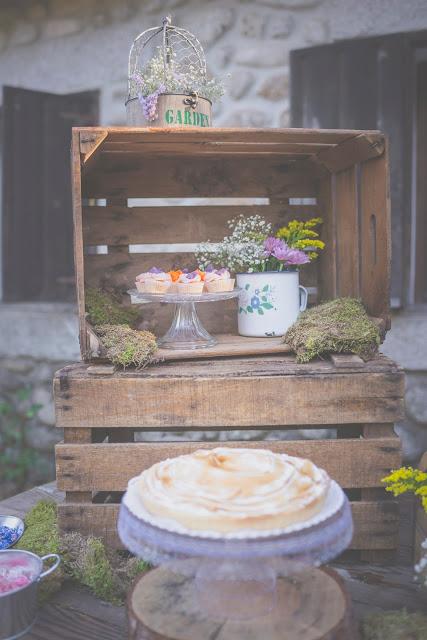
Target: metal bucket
(18, 608)
(174, 110)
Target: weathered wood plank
(199, 396)
(381, 433)
(163, 177)
(375, 246)
(109, 467)
(143, 134)
(375, 523)
(346, 360)
(327, 261)
(114, 225)
(228, 346)
(65, 623)
(215, 147)
(76, 193)
(352, 151)
(347, 233)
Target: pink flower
(271, 244)
(290, 256)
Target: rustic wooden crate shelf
(100, 415)
(340, 175)
(282, 174)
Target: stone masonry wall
(65, 46)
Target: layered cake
(230, 490)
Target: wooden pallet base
(164, 606)
(101, 413)
(375, 523)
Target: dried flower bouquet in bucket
(267, 270)
(168, 80)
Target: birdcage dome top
(166, 56)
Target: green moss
(395, 625)
(86, 561)
(126, 347)
(339, 326)
(41, 537)
(104, 308)
(107, 573)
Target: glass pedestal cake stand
(186, 330)
(237, 579)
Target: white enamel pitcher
(269, 303)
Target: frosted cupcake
(218, 280)
(153, 281)
(189, 283)
(174, 276)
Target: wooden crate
(340, 175)
(100, 412)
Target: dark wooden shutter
(37, 233)
(366, 84)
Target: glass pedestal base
(186, 330)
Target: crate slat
(108, 467)
(375, 236)
(164, 177)
(347, 230)
(375, 523)
(142, 134)
(114, 225)
(263, 393)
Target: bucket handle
(53, 567)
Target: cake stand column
(186, 330)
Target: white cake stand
(237, 578)
(186, 330)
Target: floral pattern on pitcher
(257, 300)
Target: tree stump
(310, 606)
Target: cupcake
(218, 280)
(190, 283)
(153, 281)
(174, 274)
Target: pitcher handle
(53, 567)
(303, 297)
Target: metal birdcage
(176, 59)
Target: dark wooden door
(368, 84)
(37, 233)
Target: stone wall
(36, 340)
(65, 46)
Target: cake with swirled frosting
(228, 490)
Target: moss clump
(87, 562)
(107, 573)
(41, 537)
(104, 308)
(126, 347)
(341, 325)
(395, 625)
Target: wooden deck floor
(75, 614)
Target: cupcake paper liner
(195, 287)
(216, 286)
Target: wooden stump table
(311, 606)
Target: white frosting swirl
(189, 278)
(221, 274)
(227, 490)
